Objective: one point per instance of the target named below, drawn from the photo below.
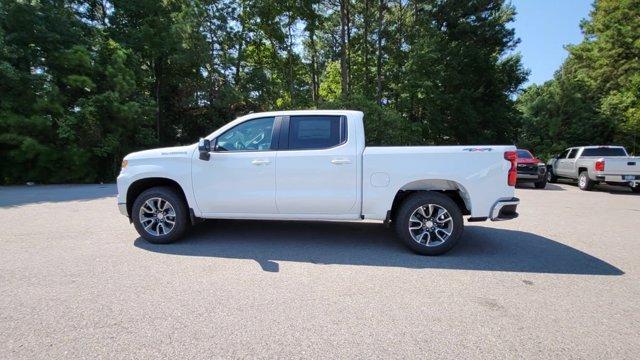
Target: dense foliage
(84, 82)
(594, 97)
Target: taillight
(600, 165)
(512, 156)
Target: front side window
(251, 135)
(572, 154)
(563, 154)
(316, 132)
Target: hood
(528, 161)
(175, 151)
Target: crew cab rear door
(316, 170)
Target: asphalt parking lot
(561, 281)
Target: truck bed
(478, 172)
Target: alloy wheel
(582, 181)
(430, 225)
(157, 216)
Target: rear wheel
(429, 223)
(584, 183)
(635, 189)
(159, 215)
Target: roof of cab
(302, 112)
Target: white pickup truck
(313, 165)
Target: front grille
(528, 169)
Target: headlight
(541, 164)
(124, 164)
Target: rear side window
(572, 154)
(604, 151)
(316, 132)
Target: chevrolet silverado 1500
(595, 164)
(313, 165)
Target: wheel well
(453, 194)
(138, 186)
(581, 169)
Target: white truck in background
(591, 165)
(313, 165)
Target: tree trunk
(348, 10)
(239, 56)
(157, 71)
(344, 66)
(365, 48)
(314, 70)
(213, 84)
(290, 56)
(379, 50)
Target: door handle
(260, 162)
(340, 161)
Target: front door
(561, 164)
(567, 165)
(240, 176)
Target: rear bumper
(618, 178)
(505, 209)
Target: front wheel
(159, 215)
(584, 183)
(541, 184)
(635, 189)
(429, 223)
(551, 177)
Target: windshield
(604, 151)
(524, 154)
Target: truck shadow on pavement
(372, 244)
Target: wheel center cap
(160, 216)
(428, 224)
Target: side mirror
(204, 147)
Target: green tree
(595, 96)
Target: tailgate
(622, 166)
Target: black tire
(635, 189)
(181, 220)
(551, 177)
(584, 183)
(411, 205)
(541, 184)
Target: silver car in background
(591, 165)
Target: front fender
(176, 169)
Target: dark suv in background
(531, 169)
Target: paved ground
(562, 281)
